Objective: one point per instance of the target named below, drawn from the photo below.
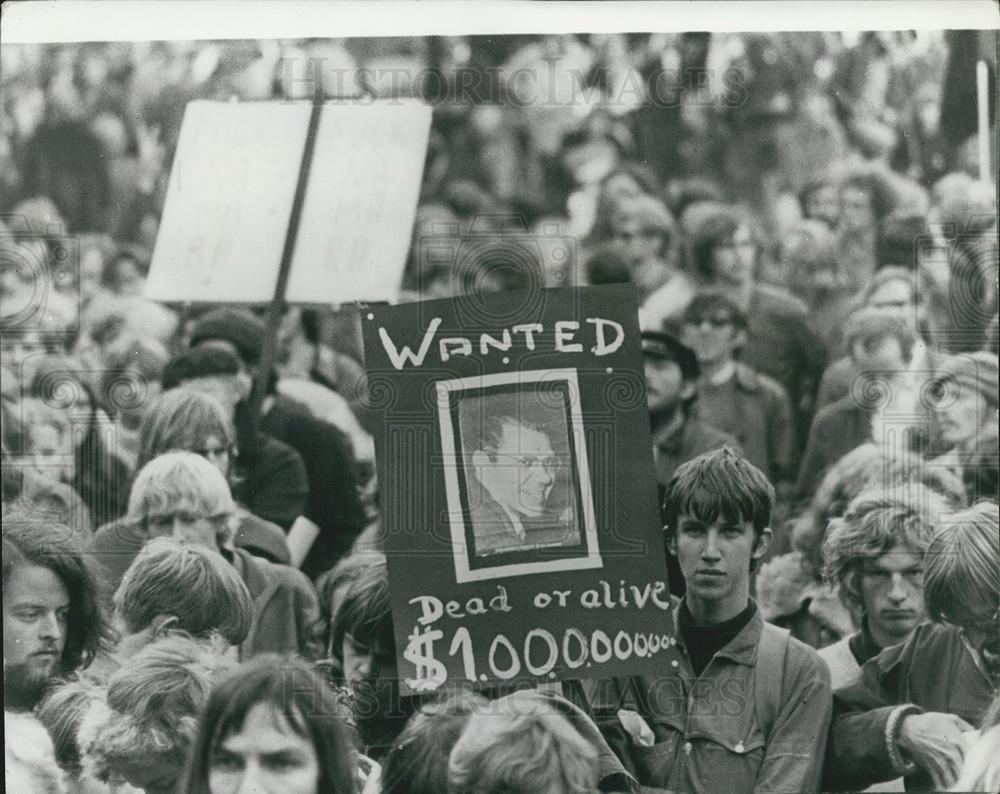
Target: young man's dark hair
(32, 544)
(709, 301)
(718, 508)
(365, 613)
(719, 483)
(363, 643)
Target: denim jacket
(707, 736)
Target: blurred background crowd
(802, 216)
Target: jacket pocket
(654, 764)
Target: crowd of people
(195, 592)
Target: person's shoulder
(261, 536)
(701, 434)
(805, 662)
(275, 451)
(751, 380)
(776, 300)
(304, 425)
(275, 574)
(830, 413)
(116, 534)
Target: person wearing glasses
(513, 496)
(732, 396)
(910, 710)
(726, 253)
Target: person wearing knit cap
(965, 405)
(334, 513)
(965, 392)
(238, 327)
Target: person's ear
(670, 540)
(763, 543)
(162, 624)
(688, 389)
(740, 338)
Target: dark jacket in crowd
(275, 484)
(933, 669)
(334, 502)
(836, 430)
(782, 345)
(673, 447)
(285, 608)
(755, 410)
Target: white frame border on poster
(452, 462)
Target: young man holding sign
(741, 706)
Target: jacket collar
(746, 378)
(741, 649)
(250, 572)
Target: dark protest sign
(518, 494)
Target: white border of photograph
(452, 463)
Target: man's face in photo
(520, 472)
(665, 386)
(715, 559)
(892, 591)
(35, 610)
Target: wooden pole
(983, 112)
(275, 310)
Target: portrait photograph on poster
(519, 488)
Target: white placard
(357, 219)
(230, 196)
(228, 202)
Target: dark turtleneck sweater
(704, 641)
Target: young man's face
(715, 561)
(520, 472)
(712, 335)
(35, 611)
(960, 413)
(665, 386)
(370, 672)
(638, 243)
(733, 260)
(882, 355)
(892, 594)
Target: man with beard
(52, 619)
